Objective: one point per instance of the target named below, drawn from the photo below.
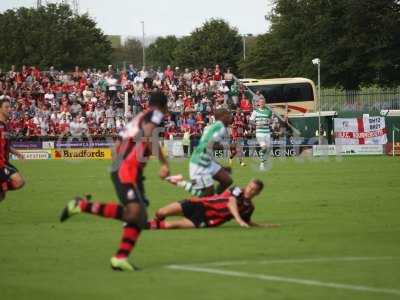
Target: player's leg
(232, 152)
(264, 142)
(16, 182)
(202, 182)
(223, 176)
(10, 180)
(172, 209)
(239, 152)
(135, 217)
(183, 223)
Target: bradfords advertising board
(89, 153)
(360, 131)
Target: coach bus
(286, 95)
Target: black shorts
(7, 171)
(195, 212)
(127, 192)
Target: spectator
(245, 104)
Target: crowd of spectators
(92, 102)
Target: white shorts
(203, 176)
(264, 140)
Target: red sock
(107, 210)
(130, 235)
(155, 224)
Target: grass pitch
(340, 237)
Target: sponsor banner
(86, 153)
(255, 152)
(34, 154)
(389, 149)
(48, 145)
(26, 145)
(360, 131)
(323, 150)
(83, 144)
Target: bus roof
(252, 81)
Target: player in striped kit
(261, 117)
(211, 211)
(203, 169)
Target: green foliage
(213, 43)
(357, 42)
(131, 52)
(161, 52)
(51, 35)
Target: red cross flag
(360, 131)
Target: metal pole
(143, 44)
(126, 105)
(392, 141)
(319, 102)
(244, 47)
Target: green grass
(328, 208)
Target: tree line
(357, 42)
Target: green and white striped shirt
(214, 133)
(262, 119)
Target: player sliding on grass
(10, 178)
(234, 203)
(203, 169)
(133, 152)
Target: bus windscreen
(289, 92)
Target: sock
(263, 155)
(155, 224)
(107, 210)
(8, 186)
(130, 235)
(188, 186)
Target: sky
(166, 17)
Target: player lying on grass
(133, 151)
(211, 211)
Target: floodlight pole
(317, 61)
(244, 47)
(143, 44)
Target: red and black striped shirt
(133, 154)
(217, 211)
(4, 144)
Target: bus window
(293, 92)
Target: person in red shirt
(10, 178)
(133, 150)
(217, 76)
(245, 104)
(211, 211)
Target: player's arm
(16, 153)
(233, 208)
(148, 129)
(266, 225)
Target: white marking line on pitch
(299, 260)
(285, 279)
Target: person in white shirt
(87, 94)
(110, 116)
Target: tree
(161, 52)
(213, 43)
(51, 35)
(357, 42)
(131, 53)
